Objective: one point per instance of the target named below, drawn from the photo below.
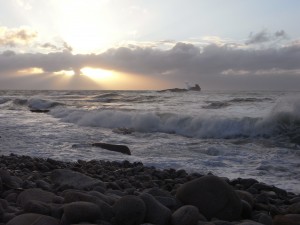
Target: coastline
(107, 192)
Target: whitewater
(232, 134)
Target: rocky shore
(49, 192)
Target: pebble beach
(46, 191)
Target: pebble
(45, 191)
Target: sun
(97, 73)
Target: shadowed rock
(33, 219)
(115, 148)
(39, 110)
(129, 210)
(213, 197)
(75, 180)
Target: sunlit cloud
(12, 37)
(32, 70)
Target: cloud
(213, 66)
(64, 46)
(265, 36)
(16, 36)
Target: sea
(247, 134)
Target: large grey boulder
(77, 212)
(187, 215)
(212, 196)
(75, 180)
(35, 194)
(33, 219)
(129, 210)
(156, 212)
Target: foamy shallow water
(228, 134)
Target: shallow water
(233, 134)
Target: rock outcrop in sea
(35, 191)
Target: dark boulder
(75, 180)
(129, 210)
(33, 219)
(213, 197)
(115, 148)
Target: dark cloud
(265, 36)
(213, 66)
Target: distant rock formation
(195, 88)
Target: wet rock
(187, 215)
(116, 148)
(288, 219)
(247, 210)
(38, 207)
(129, 210)
(156, 212)
(213, 197)
(75, 196)
(39, 110)
(77, 212)
(294, 208)
(265, 219)
(33, 219)
(246, 196)
(75, 180)
(35, 194)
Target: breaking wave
(283, 121)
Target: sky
(150, 44)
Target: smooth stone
(246, 196)
(247, 210)
(75, 180)
(294, 208)
(77, 212)
(129, 210)
(156, 212)
(35, 194)
(38, 207)
(212, 196)
(288, 219)
(116, 148)
(74, 196)
(187, 215)
(250, 223)
(33, 219)
(265, 219)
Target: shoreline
(65, 187)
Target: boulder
(129, 210)
(75, 196)
(294, 208)
(77, 212)
(156, 212)
(35, 194)
(212, 196)
(33, 219)
(115, 148)
(246, 196)
(75, 180)
(187, 215)
(38, 207)
(288, 219)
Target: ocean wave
(240, 100)
(216, 105)
(4, 100)
(283, 122)
(41, 104)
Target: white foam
(284, 115)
